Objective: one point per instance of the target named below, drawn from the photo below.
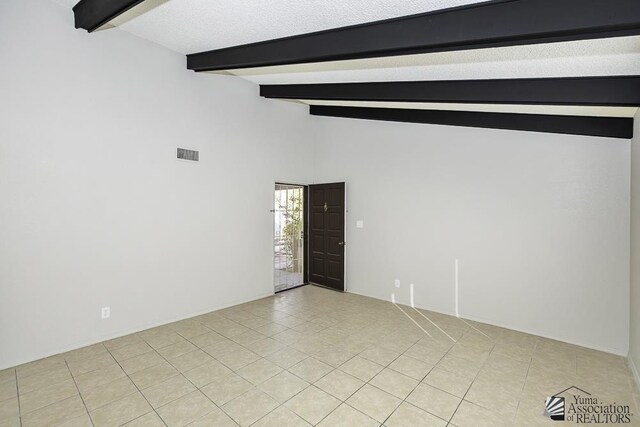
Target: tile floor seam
(139, 391)
(196, 387)
(469, 388)
(526, 376)
(79, 394)
(419, 382)
(15, 375)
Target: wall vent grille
(191, 155)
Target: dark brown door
(326, 229)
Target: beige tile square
(312, 404)
(250, 407)
(99, 377)
(7, 375)
(231, 329)
(215, 418)
(411, 367)
(470, 415)
(427, 354)
(271, 329)
(9, 412)
(494, 397)
(248, 337)
(192, 360)
(286, 357)
(374, 402)
(227, 388)
(186, 409)
(153, 375)
(168, 391)
(459, 365)
(55, 414)
(434, 401)
(88, 352)
(281, 417)
(207, 339)
(40, 367)
(81, 421)
(346, 416)
(124, 341)
(121, 411)
(149, 420)
(288, 337)
(334, 356)
(310, 369)
(361, 368)
(83, 366)
(379, 355)
(410, 416)
(220, 348)
(451, 382)
(259, 371)
(8, 389)
(190, 328)
(265, 346)
(339, 384)
(157, 341)
(97, 397)
(57, 374)
(394, 382)
(143, 361)
(47, 395)
(178, 349)
(238, 358)
(206, 374)
(283, 386)
(136, 348)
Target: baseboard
(634, 370)
(76, 346)
(498, 324)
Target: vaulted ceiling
(600, 38)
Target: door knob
(340, 243)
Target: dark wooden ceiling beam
(605, 91)
(92, 14)
(489, 24)
(613, 127)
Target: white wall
(94, 208)
(634, 352)
(539, 223)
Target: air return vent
(192, 155)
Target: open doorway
(290, 237)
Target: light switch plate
(359, 223)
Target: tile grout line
(185, 377)
(361, 387)
(15, 374)
(471, 385)
(423, 378)
(135, 385)
(526, 377)
(78, 390)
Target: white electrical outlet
(397, 283)
(106, 312)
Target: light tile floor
(311, 356)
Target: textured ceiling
(189, 26)
(616, 56)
